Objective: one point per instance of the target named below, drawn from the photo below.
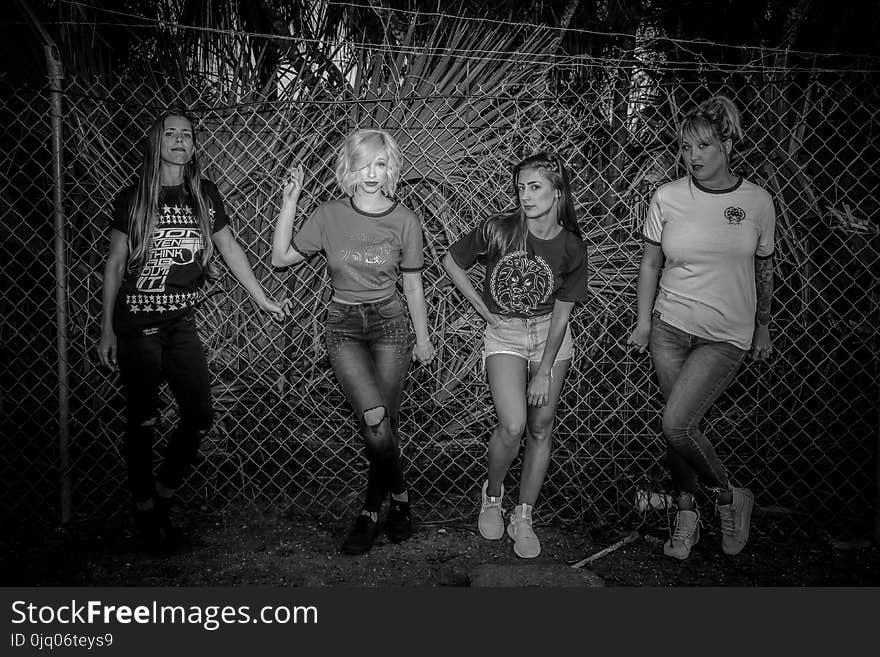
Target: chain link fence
(800, 430)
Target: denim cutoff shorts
(524, 337)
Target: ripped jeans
(692, 373)
(370, 346)
(146, 356)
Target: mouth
(179, 150)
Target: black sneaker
(150, 532)
(172, 536)
(362, 536)
(398, 522)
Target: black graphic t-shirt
(527, 283)
(168, 284)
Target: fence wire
(800, 430)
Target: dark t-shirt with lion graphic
(527, 283)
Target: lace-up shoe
(735, 520)
(525, 542)
(685, 536)
(362, 535)
(491, 520)
(398, 522)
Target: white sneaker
(685, 536)
(491, 520)
(525, 542)
(735, 520)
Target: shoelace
(683, 533)
(728, 521)
(491, 503)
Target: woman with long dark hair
(708, 241)
(164, 231)
(370, 241)
(536, 270)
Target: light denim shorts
(524, 337)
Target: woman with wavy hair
(370, 241)
(164, 231)
(708, 241)
(536, 270)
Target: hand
(640, 337)
(293, 183)
(107, 349)
(539, 389)
(762, 347)
(278, 309)
(423, 352)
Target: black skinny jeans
(171, 352)
(369, 346)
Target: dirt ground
(245, 547)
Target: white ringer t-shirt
(710, 239)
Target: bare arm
(415, 301)
(241, 268)
(646, 290)
(283, 253)
(460, 279)
(114, 268)
(761, 343)
(539, 386)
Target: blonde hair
(713, 121)
(357, 150)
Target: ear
(728, 145)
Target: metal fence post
(56, 76)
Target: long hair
(507, 231)
(145, 204)
(357, 150)
(713, 121)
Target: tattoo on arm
(764, 287)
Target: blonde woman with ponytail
(165, 228)
(708, 243)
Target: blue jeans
(146, 356)
(692, 373)
(370, 347)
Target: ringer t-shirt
(167, 286)
(365, 251)
(710, 239)
(528, 283)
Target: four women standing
(710, 234)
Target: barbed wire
(498, 55)
(549, 28)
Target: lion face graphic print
(520, 284)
